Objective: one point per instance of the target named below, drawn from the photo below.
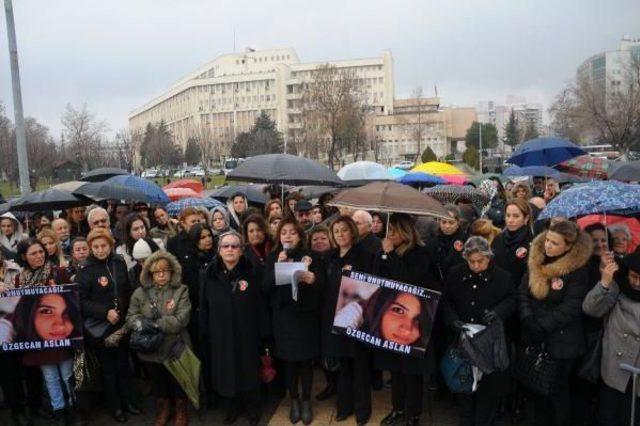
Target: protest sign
(385, 314)
(40, 318)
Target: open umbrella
(451, 193)
(103, 173)
(175, 207)
(396, 172)
(611, 219)
(313, 191)
(437, 168)
(363, 172)
(254, 193)
(545, 152)
(626, 172)
(455, 179)
(99, 191)
(586, 166)
(389, 197)
(175, 194)
(594, 197)
(284, 169)
(412, 178)
(153, 191)
(185, 183)
(514, 171)
(50, 199)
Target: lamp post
(480, 145)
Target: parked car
(198, 172)
(180, 173)
(150, 174)
(404, 165)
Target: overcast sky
(115, 55)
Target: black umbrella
(314, 191)
(625, 171)
(284, 169)
(50, 199)
(103, 173)
(99, 191)
(254, 193)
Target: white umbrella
(364, 171)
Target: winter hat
(143, 248)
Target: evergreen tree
(511, 131)
(192, 153)
(428, 155)
(489, 136)
(263, 138)
(531, 132)
(471, 157)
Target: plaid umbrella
(174, 208)
(175, 194)
(451, 193)
(594, 197)
(586, 166)
(154, 193)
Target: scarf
(516, 239)
(38, 277)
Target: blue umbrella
(154, 193)
(594, 197)
(396, 173)
(175, 207)
(421, 178)
(512, 171)
(545, 152)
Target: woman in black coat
(296, 323)
(450, 239)
(550, 308)
(258, 242)
(479, 292)
(230, 324)
(511, 246)
(405, 259)
(104, 297)
(353, 358)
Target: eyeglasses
(230, 246)
(162, 271)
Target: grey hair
(230, 233)
(620, 227)
(94, 211)
(475, 245)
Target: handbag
(456, 371)
(486, 349)
(86, 371)
(96, 328)
(590, 363)
(146, 336)
(536, 369)
(267, 369)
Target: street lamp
(480, 145)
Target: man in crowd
(303, 214)
(371, 243)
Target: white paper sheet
(288, 273)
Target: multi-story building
(606, 71)
(418, 123)
(498, 115)
(224, 97)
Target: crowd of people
(206, 280)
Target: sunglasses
(230, 246)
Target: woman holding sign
(353, 358)
(404, 258)
(296, 323)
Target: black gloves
(489, 317)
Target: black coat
(468, 295)
(296, 324)
(230, 324)
(448, 252)
(359, 260)
(512, 255)
(101, 282)
(371, 244)
(559, 313)
(414, 267)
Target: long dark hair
(23, 248)
(195, 232)
(378, 304)
(25, 313)
(128, 223)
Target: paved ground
(437, 413)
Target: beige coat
(621, 340)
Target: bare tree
(83, 134)
(210, 147)
(609, 113)
(330, 103)
(8, 156)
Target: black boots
(306, 414)
(294, 412)
(392, 418)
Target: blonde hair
(404, 226)
(50, 233)
(484, 228)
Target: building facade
(524, 112)
(606, 70)
(223, 98)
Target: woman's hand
(387, 245)
(308, 277)
(607, 274)
(112, 316)
(282, 257)
(3, 287)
